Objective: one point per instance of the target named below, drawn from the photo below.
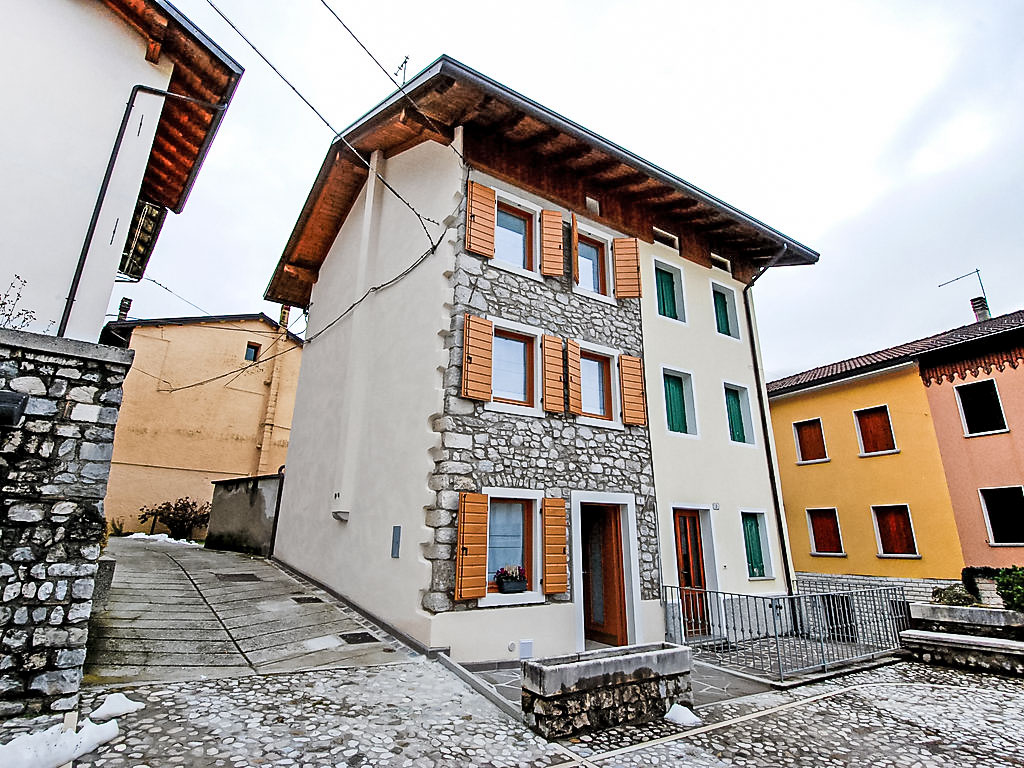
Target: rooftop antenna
(980, 303)
(403, 68)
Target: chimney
(980, 307)
(122, 312)
(285, 312)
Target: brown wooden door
(604, 598)
(690, 558)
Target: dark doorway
(604, 597)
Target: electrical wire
(422, 219)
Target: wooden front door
(690, 557)
(604, 597)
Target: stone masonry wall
(53, 473)
(552, 452)
(916, 590)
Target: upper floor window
(669, 283)
(252, 352)
(513, 236)
(874, 430)
(596, 385)
(895, 531)
(980, 408)
(512, 366)
(679, 403)
(1004, 513)
(725, 310)
(810, 441)
(593, 269)
(737, 407)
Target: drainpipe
(763, 409)
(136, 90)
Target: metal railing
(786, 635)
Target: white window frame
(988, 522)
(613, 370)
(595, 234)
(745, 411)
(878, 536)
(537, 409)
(535, 595)
(766, 545)
(839, 529)
(860, 438)
(731, 307)
(678, 284)
(963, 418)
(796, 440)
(513, 201)
(691, 401)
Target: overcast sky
(886, 135)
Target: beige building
(175, 436)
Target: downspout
(763, 410)
(136, 90)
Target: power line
(422, 219)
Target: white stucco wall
(368, 392)
(707, 471)
(70, 66)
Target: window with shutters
(737, 409)
(980, 408)
(1004, 515)
(509, 538)
(512, 368)
(810, 442)
(593, 266)
(874, 431)
(826, 539)
(668, 282)
(724, 303)
(596, 385)
(894, 530)
(755, 544)
(513, 236)
(679, 406)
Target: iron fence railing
(785, 635)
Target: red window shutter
(471, 547)
(626, 256)
(481, 217)
(556, 557)
(552, 256)
(575, 377)
(575, 251)
(631, 384)
(894, 531)
(477, 342)
(825, 527)
(876, 430)
(810, 440)
(553, 374)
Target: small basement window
(1004, 510)
(252, 352)
(980, 408)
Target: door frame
(708, 538)
(630, 555)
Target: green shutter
(752, 542)
(675, 404)
(666, 293)
(735, 411)
(722, 313)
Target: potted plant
(510, 578)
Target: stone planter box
(967, 620)
(581, 692)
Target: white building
(78, 63)
(494, 397)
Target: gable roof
(448, 94)
(111, 336)
(902, 353)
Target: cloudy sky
(886, 135)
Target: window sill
(1021, 544)
(749, 444)
(496, 599)
(590, 421)
(689, 435)
(898, 557)
(504, 266)
(986, 434)
(826, 460)
(728, 335)
(673, 320)
(518, 410)
(760, 578)
(596, 296)
(878, 453)
(828, 554)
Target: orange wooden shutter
(575, 381)
(626, 257)
(553, 372)
(471, 555)
(477, 340)
(552, 258)
(575, 251)
(631, 382)
(481, 216)
(556, 558)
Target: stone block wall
(53, 473)
(916, 590)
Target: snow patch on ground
(164, 538)
(54, 747)
(115, 705)
(680, 715)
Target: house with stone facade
(530, 353)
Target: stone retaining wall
(914, 589)
(984, 654)
(53, 476)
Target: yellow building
(176, 435)
(862, 477)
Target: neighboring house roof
(118, 333)
(203, 71)
(448, 94)
(903, 353)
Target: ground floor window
(509, 538)
(1004, 509)
(895, 531)
(825, 538)
(755, 543)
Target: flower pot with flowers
(510, 578)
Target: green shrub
(1010, 586)
(181, 517)
(953, 595)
